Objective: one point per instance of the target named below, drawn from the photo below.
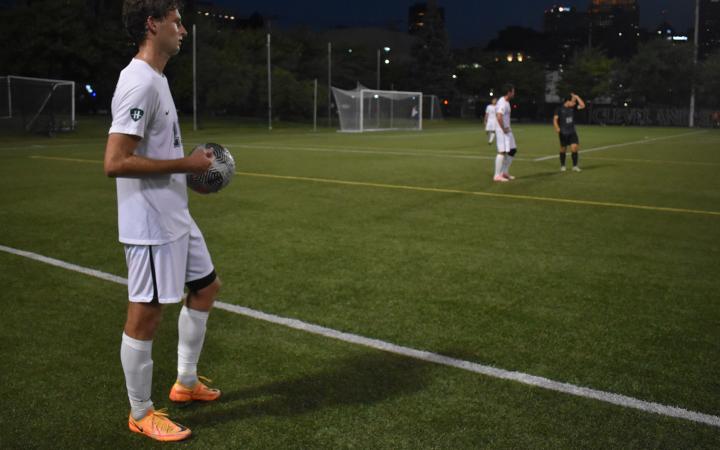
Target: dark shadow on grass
(364, 379)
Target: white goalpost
(363, 109)
(37, 104)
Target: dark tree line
(71, 39)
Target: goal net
(37, 104)
(431, 107)
(364, 109)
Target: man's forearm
(134, 165)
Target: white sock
(506, 164)
(499, 163)
(136, 359)
(492, 137)
(191, 335)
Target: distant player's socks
(499, 160)
(506, 164)
(563, 157)
(575, 159)
(191, 335)
(136, 359)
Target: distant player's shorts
(568, 139)
(160, 272)
(505, 141)
(491, 125)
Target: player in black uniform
(564, 122)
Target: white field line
(519, 377)
(625, 144)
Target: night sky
(469, 22)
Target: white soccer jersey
(503, 107)
(152, 210)
(491, 118)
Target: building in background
(419, 12)
(709, 26)
(566, 31)
(614, 25)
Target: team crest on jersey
(136, 114)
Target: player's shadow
(364, 379)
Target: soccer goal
(364, 109)
(431, 107)
(37, 104)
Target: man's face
(511, 94)
(170, 32)
(570, 103)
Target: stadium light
(387, 61)
(387, 49)
(454, 77)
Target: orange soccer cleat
(200, 392)
(156, 425)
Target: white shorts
(160, 272)
(491, 125)
(505, 141)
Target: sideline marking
(444, 191)
(606, 147)
(494, 372)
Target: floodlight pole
(269, 75)
(72, 121)
(329, 84)
(695, 63)
(315, 105)
(194, 71)
(378, 70)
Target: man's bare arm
(555, 123)
(581, 103)
(121, 161)
(500, 122)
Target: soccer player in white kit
(164, 249)
(491, 120)
(506, 147)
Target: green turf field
(607, 279)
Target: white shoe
(576, 169)
(507, 176)
(563, 168)
(500, 179)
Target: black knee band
(202, 283)
(512, 152)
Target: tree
(590, 75)
(709, 82)
(660, 73)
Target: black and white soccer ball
(218, 175)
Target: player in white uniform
(491, 120)
(164, 249)
(506, 146)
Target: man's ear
(151, 25)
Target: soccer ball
(218, 175)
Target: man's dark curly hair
(136, 12)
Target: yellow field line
(57, 158)
(441, 190)
(481, 194)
